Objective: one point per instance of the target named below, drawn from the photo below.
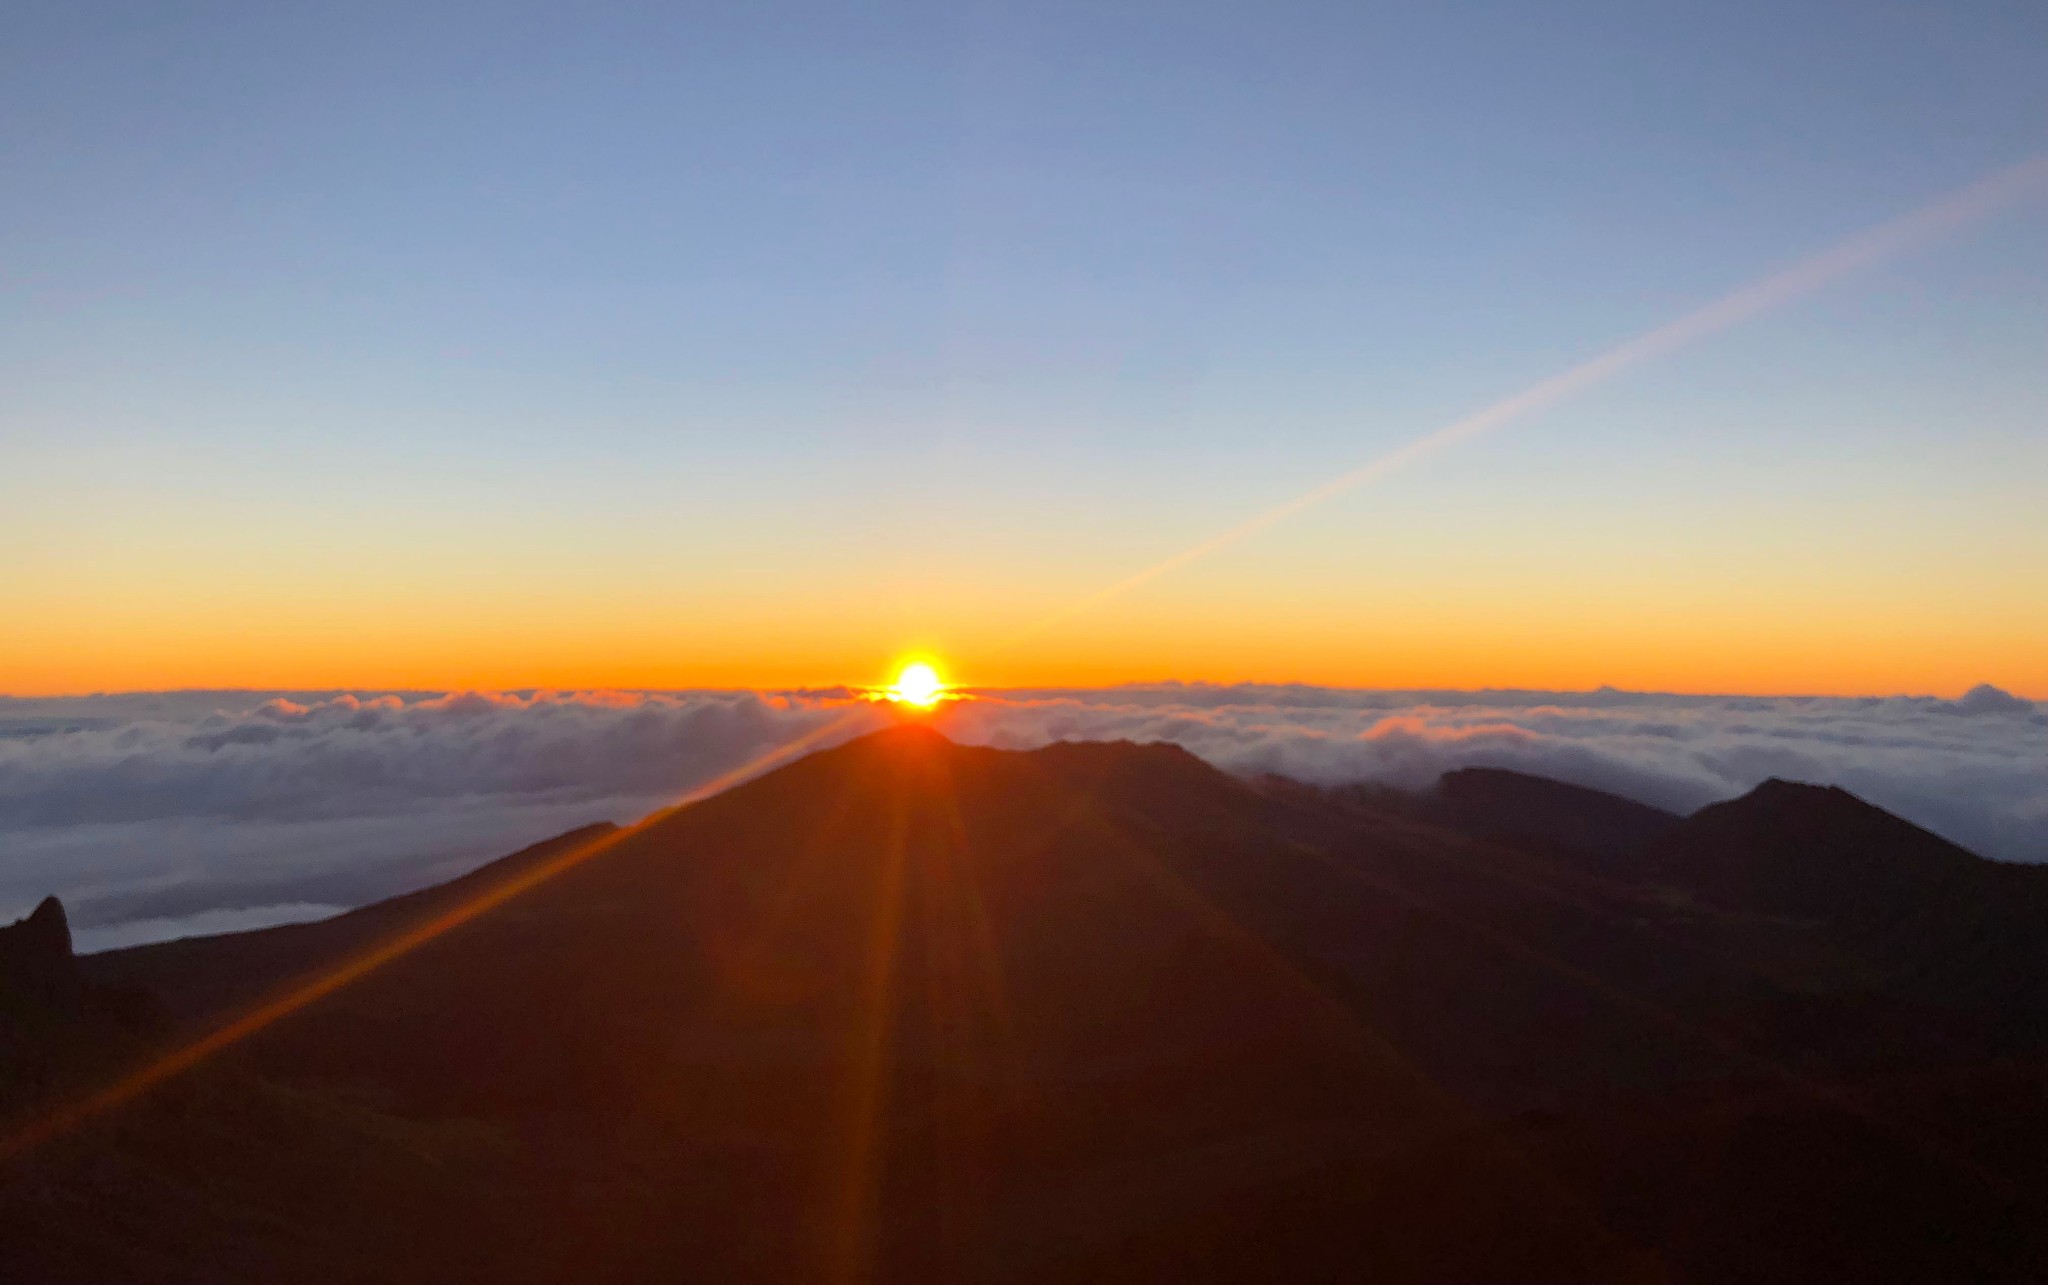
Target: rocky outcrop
(36, 964)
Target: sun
(917, 683)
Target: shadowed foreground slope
(911, 1011)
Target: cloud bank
(157, 815)
(174, 808)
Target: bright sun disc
(917, 684)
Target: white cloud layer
(160, 814)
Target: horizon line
(857, 690)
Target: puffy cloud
(156, 814)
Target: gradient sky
(503, 345)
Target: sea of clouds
(167, 814)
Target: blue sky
(980, 303)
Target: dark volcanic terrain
(911, 1011)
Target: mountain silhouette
(1814, 851)
(906, 1010)
(1920, 916)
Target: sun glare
(917, 684)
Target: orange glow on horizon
(1847, 653)
(1728, 624)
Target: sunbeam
(860, 1143)
(184, 1057)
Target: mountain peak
(1986, 699)
(906, 736)
(1795, 848)
(910, 732)
(1818, 807)
(1778, 792)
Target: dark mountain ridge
(906, 1010)
(1813, 851)
(1928, 920)
(1543, 815)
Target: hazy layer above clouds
(158, 815)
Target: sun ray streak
(1864, 250)
(184, 1057)
(862, 1144)
(984, 1056)
(751, 962)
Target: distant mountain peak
(1986, 699)
(1795, 848)
(1852, 820)
(1779, 790)
(1840, 811)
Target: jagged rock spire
(35, 953)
